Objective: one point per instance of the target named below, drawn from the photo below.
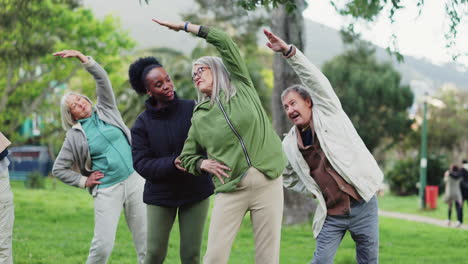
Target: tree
(31, 79)
(446, 121)
(371, 94)
(369, 10)
(288, 24)
(243, 27)
(447, 124)
(179, 67)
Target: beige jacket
(338, 138)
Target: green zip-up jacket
(247, 139)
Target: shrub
(436, 166)
(35, 180)
(404, 175)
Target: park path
(421, 219)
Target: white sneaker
(447, 222)
(458, 224)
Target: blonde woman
(98, 144)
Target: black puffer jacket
(158, 137)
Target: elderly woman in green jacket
(244, 152)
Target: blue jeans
(362, 223)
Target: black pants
(459, 208)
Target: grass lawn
(411, 205)
(55, 225)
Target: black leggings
(459, 208)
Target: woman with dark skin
(158, 136)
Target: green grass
(55, 225)
(411, 205)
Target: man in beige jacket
(6, 205)
(328, 159)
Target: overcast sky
(420, 37)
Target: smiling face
(298, 110)
(202, 77)
(159, 85)
(79, 107)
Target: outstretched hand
(176, 26)
(275, 43)
(72, 54)
(216, 168)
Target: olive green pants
(192, 219)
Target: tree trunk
(289, 27)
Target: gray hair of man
(67, 119)
(301, 90)
(221, 79)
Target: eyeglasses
(198, 72)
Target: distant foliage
(436, 166)
(403, 177)
(243, 27)
(32, 81)
(446, 125)
(35, 180)
(371, 94)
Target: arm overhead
(311, 77)
(227, 48)
(104, 92)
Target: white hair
(298, 88)
(221, 79)
(67, 119)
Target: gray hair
(67, 119)
(221, 79)
(301, 90)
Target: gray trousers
(363, 225)
(108, 205)
(7, 217)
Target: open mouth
(293, 116)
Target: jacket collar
(77, 126)
(165, 111)
(205, 105)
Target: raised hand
(94, 178)
(275, 43)
(216, 168)
(176, 26)
(71, 54)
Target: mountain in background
(322, 42)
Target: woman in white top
(453, 194)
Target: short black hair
(138, 70)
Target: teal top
(110, 151)
(237, 133)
